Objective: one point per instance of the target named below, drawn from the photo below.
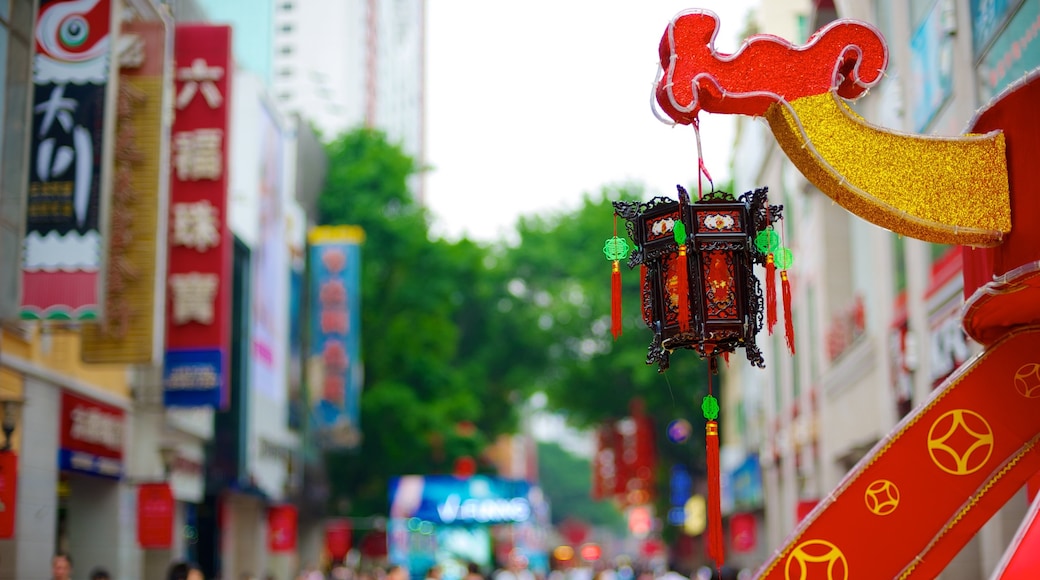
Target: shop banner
(743, 533)
(70, 161)
(281, 529)
(131, 330)
(155, 513)
(8, 493)
(1014, 52)
(198, 315)
(91, 437)
(443, 499)
(334, 360)
(337, 539)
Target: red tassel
(615, 300)
(770, 292)
(788, 318)
(683, 290)
(715, 540)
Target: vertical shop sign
(70, 161)
(932, 63)
(8, 493)
(281, 529)
(334, 365)
(742, 530)
(91, 437)
(130, 331)
(199, 274)
(155, 511)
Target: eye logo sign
(882, 497)
(960, 442)
(1027, 380)
(816, 559)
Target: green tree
(437, 357)
(564, 477)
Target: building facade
(877, 315)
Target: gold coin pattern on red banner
(960, 442)
(816, 560)
(882, 497)
(1027, 380)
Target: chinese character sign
(333, 365)
(91, 438)
(198, 325)
(63, 249)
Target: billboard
(131, 329)
(334, 371)
(63, 260)
(449, 500)
(198, 315)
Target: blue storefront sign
(193, 378)
(1015, 52)
(448, 500)
(931, 64)
(987, 17)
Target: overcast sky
(532, 104)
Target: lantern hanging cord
(702, 170)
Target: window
(286, 49)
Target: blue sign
(448, 500)
(89, 463)
(987, 17)
(680, 485)
(1015, 52)
(193, 377)
(747, 484)
(931, 64)
(334, 371)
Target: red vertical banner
(198, 309)
(8, 493)
(805, 506)
(743, 532)
(337, 539)
(281, 529)
(155, 511)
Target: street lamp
(12, 409)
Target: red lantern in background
(155, 507)
(8, 492)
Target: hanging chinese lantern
(699, 291)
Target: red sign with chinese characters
(199, 281)
(91, 436)
(8, 493)
(155, 507)
(281, 529)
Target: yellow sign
(816, 559)
(882, 497)
(131, 328)
(696, 511)
(960, 442)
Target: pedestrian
(396, 572)
(100, 573)
(184, 571)
(61, 566)
(473, 572)
(434, 572)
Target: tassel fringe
(715, 540)
(683, 290)
(770, 292)
(788, 317)
(615, 300)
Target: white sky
(532, 104)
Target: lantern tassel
(715, 541)
(683, 290)
(615, 300)
(770, 292)
(788, 318)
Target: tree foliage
(460, 333)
